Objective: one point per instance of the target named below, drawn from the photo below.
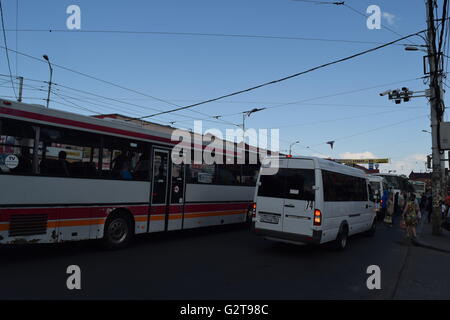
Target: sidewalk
(427, 240)
(426, 272)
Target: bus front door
(159, 196)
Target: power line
(336, 120)
(221, 35)
(285, 78)
(322, 2)
(288, 77)
(343, 3)
(374, 129)
(111, 84)
(6, 48)
(365, 16)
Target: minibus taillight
(317, 217)
(254, 209)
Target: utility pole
(435, 105)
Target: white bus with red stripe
(111, 179)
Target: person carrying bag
(411, 217)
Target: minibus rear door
(270, 199)
(299, 197)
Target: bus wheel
(373, 228)
(118, 231)
(342, 238)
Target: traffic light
(428, 162)
(406, 94)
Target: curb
(419, 243)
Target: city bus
(378, 186)
(398, 185)
(312, 200)
(419, 188)
(68, 177)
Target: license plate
(270, 218)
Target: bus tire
(342, 238)
(118, 230)
(373, 228)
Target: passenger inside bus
(64, 165)
(142, 167)
(118, 164)
(25, 162)
(125, 171)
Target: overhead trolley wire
(284, 78)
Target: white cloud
(389, 17)
(404, 165)
(357, 155)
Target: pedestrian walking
(390, 207)
(429, 207)
(443, 210)
(384, 201)
(411, 215)
(396, 203)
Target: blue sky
(187, 69)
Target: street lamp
(290, 146)
(414, 48)
(426, 131)
(50, 82)
(244, 114)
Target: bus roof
(327, 164)
(111, 124)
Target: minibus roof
(325, 164)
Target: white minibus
(312, 200)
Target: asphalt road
(219, 263)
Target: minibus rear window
(296, 184)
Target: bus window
(341, 187)
(295, 184)
(201, 173)
(125, 159)
(16, 147)
(228, 174)
(69, 153)
(250, 174)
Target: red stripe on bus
(95, 127)
(63, 213)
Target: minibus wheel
(373, 228)
(342, 238)
(118, 231)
